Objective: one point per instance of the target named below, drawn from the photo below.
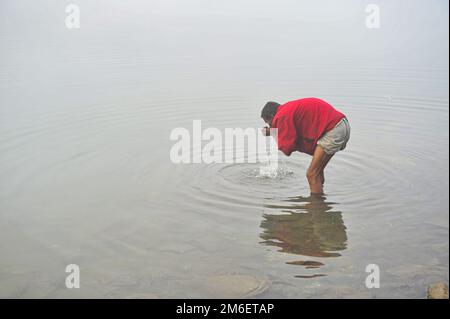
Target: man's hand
(265, 131)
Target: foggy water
(86, 177)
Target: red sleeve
(287, 134)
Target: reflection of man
(311, 126)
(314, 231)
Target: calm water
(85, 174)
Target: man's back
(302, 122)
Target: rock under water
(236, 285)
(437, 291)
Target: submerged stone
(236, 286)
(437, 291)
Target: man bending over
(310, 126)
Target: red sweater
(301, 123)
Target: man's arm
(287, 134)
(265, 131)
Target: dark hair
(269, 110)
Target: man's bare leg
(319, 160)
(322, 175)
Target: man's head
(268, 112)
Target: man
(311, 126)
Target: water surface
(86, 178)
